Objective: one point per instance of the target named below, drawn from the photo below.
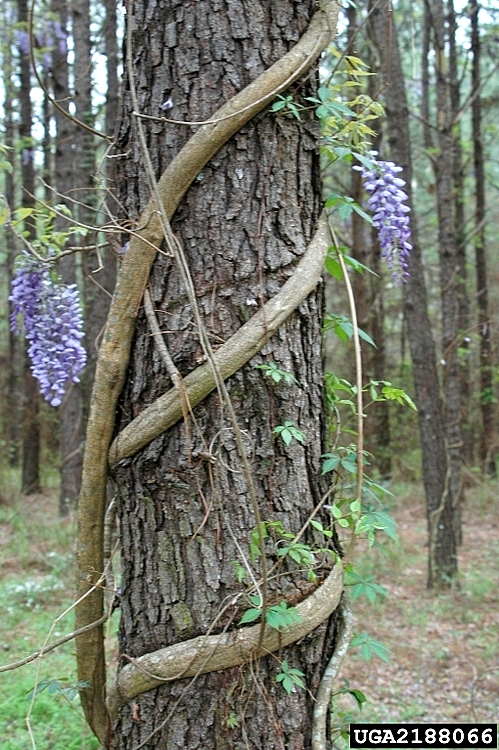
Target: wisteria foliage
(390, 214)
(53, 325)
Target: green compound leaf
(250, 616)
(377, 520)
(363, 586)
(272, 371)
(290, 678)
(358, 695)
(288, 432)
(343, 328)
(281, 616)
(331, 463)
(370, 647)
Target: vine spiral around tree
(115, 349)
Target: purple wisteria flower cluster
(48, 38)
(53, 325)
(386, 202)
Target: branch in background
(52, 646)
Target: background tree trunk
(486, 388)
(464, 330)
(183, 501)
(442, 561)
(368, 292)
(98, 267)
(70, 411)
(31, 431)
(450, 285)
(111, 50)
(15, 361)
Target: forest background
(430, 106)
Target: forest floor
(444, 665)
(36, 587)
(445, 647)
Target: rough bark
(183, 500)
(487, 407)
(442, 559)
(115, 351)
(31, 431)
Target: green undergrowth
(425, 633)
(36, 586)
(444, 664)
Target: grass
(37, 562)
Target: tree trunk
(442, 560)
(183, 500)
(425, 78)
(449, 269)
(464, 364)
(486, 388)
(47, 167)
(98, 267)
(70, 411)
(111, 49)
(31, 430)
(14, 397)
(368, 294)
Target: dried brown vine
(115, 349)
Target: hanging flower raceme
(53, 325)
(390, 219)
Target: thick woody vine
(204, 653)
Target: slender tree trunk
(16, 356)
(70, 411)
(425, 78)
(111, 47)
(184, 507)
(47, 168)
(98, 267)
(376, 358)
(486, 388)
(462, 290)
(31, 431)
(368, 293)
(442, 559)
(449, 266)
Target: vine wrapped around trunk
(133, 277)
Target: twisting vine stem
(115, 349)
(358, 367)
(323, 697)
